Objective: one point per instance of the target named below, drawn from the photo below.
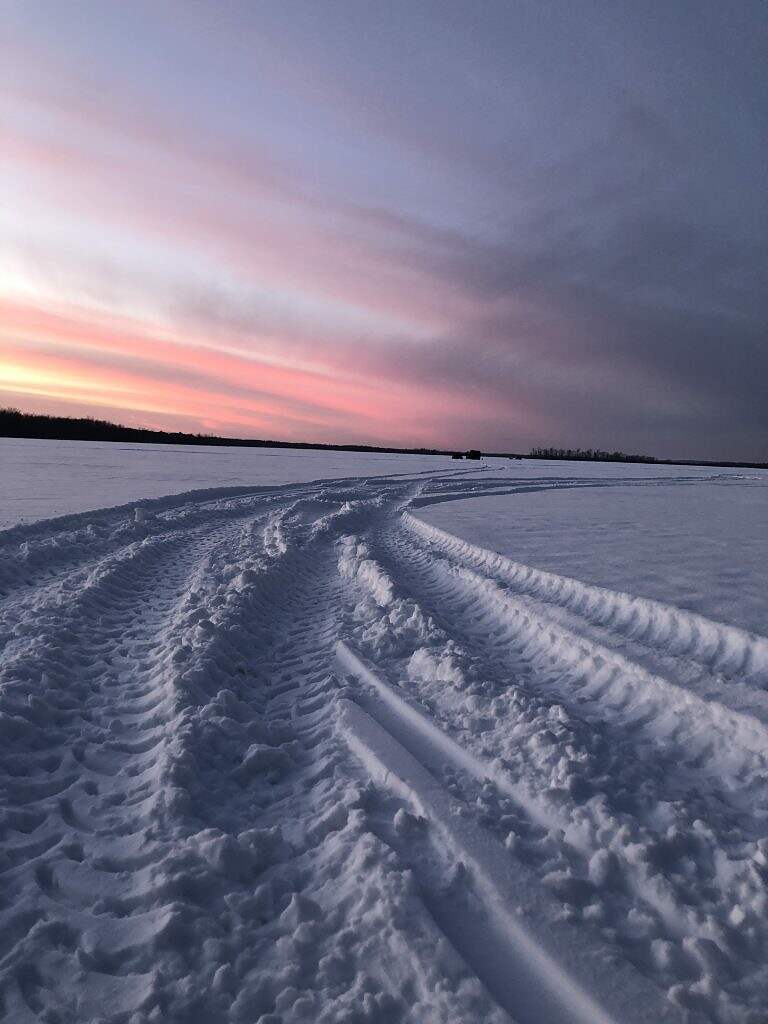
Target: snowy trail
(659, 714)
(291, 753)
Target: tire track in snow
(701, 737)
(657, 795)
(680, 634)
(197, 825)
(101, 687)
(406, 752)
(190, 843)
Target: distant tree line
(15, 423)
(596, 455)
(588, 455)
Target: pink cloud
(129, 367)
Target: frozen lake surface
(702, 545)
(382, 739)
(41, 479)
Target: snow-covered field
(382, 739)
(703, 546)
(41, 479)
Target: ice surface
(701, 545)
(285, 749)
(41, 479)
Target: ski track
(291, 753)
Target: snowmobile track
(278, 754)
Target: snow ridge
(720, 648)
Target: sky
(418, 222)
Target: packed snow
(321, 749)
(699, 544)
(41, 479)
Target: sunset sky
(490, 224)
